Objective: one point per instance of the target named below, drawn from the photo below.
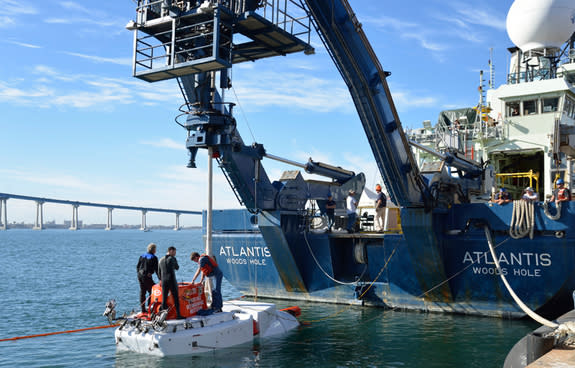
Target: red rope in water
(58, 332)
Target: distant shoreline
(99, 227)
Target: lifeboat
(159, 333)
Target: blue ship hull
(443, 265)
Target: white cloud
(57, 179)
(404, 100)
(166, 143)
(70, 5)
(6, 21)
(424, 41)
(16, 7)
(480, 16)
(10, 10)
(84, 21)
(100, 59)
(389, 22)
(293, 90)
(80, 91)
(406, 30)
(28, 45)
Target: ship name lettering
(237, 261)
(509, 259)
(255, 251)
(527, 272)
(521, 272)
(489, 271)
(258, 262)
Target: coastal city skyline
(77, 126)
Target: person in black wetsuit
(167, 274)
(147, 266)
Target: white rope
(523, 307)
(557, 215)
(324, 272)
(522, 220)
(564, 335)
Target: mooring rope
(523, 307)
(522, 220)
(324, 272)
(557, 215)
(361, 296)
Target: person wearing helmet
(560, 194)
(380, 203)
(529, 195)
(502, 197)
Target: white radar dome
(533, 24)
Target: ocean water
(59, 280)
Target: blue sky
(76, 125)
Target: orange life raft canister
(191, 296)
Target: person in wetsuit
(167, 274)
(147, 266)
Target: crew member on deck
(209, 267)
(380, 203)
(560, 194)
(502, 197)
(529, 195)
(351, 207)
(167, 274)
(330, 211)
(147, 266)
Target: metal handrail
(529, 174)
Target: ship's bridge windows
(569, 108)
(550, 104)
(512, 108)
(530, 107)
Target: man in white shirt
(351, 207)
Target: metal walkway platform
(193, 42)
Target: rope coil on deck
(522, 220)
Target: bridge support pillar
(39, 222)
(74, 223)
(177, 226)
(109, 222)
(3, 214)
(144, 227)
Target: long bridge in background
(39, 221)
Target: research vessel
(434, 254)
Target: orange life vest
(563, 194)
(208, 268)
